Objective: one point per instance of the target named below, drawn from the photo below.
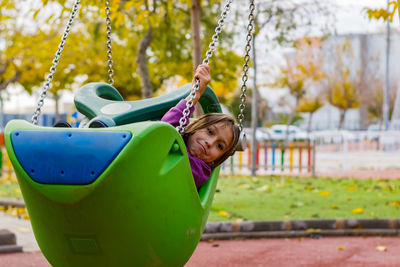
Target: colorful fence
(274, 158)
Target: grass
(9, 189)
(285, 198)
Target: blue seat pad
(67, 157)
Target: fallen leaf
(340, 248)
(381, 248)
(349, 199)
(324, 193)
(357, 210)
(264, 188)
(223, 213)
(395, 203)
(351, 188)
(334, 207)
(312, 230)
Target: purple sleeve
(175, 114)
(201, 171)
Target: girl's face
(210, 143)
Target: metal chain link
(250, 28)
(49, 79)
(209, 53)
(109, 48)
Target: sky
(350, 18)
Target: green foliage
(284, 118)
(84, 55)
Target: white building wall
(374, 45)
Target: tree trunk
(290, 121)
(57, 106)
(195, 17)
(309, 122)
(196, 9)
(15, 78)
(141, 60)
(342, 117)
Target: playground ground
(325, 251)
(333, 251)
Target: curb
(8, 242)
(12, 202)
(287, 229)
(301, 228)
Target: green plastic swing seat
(117, 196)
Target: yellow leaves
(324, 194)
(15, 211)
(309, 104)
(340, 248)
(381, 248)
(383, 13)
(220, 88)
(357, 210)
(334, 207)
(182, 82)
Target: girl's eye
(209, 131)
(220, 146)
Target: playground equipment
(120, 192)
(275, 158)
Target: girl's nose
(211, 141)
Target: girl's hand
(203, 74)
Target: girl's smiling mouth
(203, 149)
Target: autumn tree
(343, 83)
(278, 23)
(310, 104)
(84, 57)
(373, 87)
(301, 76)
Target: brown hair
(209, 119)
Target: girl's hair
(209, 119)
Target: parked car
(334, 136)
(262, 134)
(279, 131)
(373, 132)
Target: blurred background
(322, 80)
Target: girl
(210, 139)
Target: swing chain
(218, 29)
(250, 28)
(47, 84)
(109, 48)
(209, 53)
